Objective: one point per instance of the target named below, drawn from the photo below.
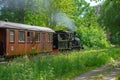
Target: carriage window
(12, 35)
(37, 36)
(29, 36)
(49, 37)
(21, 36)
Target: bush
(92, 37)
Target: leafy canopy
(110, 17)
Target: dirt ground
(105, 72)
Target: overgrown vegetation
(62, 66)
(75, 15)
(118, 77)
(93, 37)
(61, 14)
(109, 18)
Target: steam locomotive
(65, 40)
(19, 39)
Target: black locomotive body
(65, 40)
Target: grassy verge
(118, 77)
(61, 67)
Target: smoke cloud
(63, 19)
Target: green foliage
(13, 10)
(110, 17)
(115, 39)
(62, 27)
(43, 11)
(87, 26)
(54, 67)
(37, 12)
(92, 37)
(81, 8)
(118, 77)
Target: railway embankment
(60, 66)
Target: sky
(93, 3)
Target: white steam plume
(63, 19)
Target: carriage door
(43, 42)
(2, 41)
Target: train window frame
(12, 36)
(23, 36)
(37, 37)
(50, 37)
(29, 36)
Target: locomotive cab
(62, 40)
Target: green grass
(118, 77)
(61, 66)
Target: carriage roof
(11, 25)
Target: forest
(98, 28)
(92, 23)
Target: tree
(80, 10)
(84, 14)
(43, 11)
(110, 17)
(37, 12)
(88, 30)
(13, 10)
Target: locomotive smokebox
(75, 41)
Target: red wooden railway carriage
(18, 39)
